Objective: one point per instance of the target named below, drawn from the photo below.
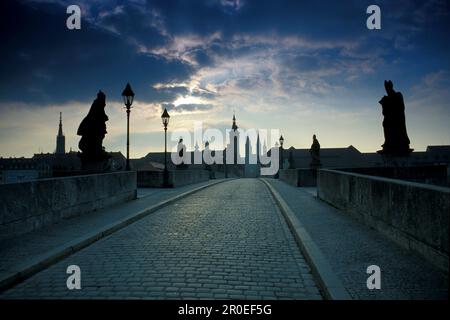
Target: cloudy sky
(302, 67)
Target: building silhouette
(350, 157)
(248, 150)
(258, 149)
(13, 170)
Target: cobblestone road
(228, 241)
(19, 252)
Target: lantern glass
(165, 118)
(128, 100)
(128, 95)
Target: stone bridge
(218, 239)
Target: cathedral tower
(258, 151)
(234, 141)
(60, 138)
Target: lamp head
(128, 95)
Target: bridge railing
(414, 215)
(27, 206)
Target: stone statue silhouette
(315, 153)
(207, 159)
(396, 141)
(181, 148)
(92, 131)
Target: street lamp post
(165, 120)
(128, 96)
(280, 154)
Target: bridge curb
(59, 253)
(326, 278)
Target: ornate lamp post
(128, 96)
(165, 120)
(280, 160)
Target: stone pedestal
(102, 164)
(395, 160)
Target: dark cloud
(47, 63)
(42, 61)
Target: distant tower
(248, 150)
(234, 126)
(234, 140)
(258, 151)
(60, 138)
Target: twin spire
(258, 143)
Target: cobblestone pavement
(227, 241)
(350, 247)
(18, 252)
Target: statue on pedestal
(396, 141)
(181, 149)
(315, 153)
(92, 131)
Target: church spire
(60, 131)
(60, 139)
(258, 151)
(248, 150)
(234, 127)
